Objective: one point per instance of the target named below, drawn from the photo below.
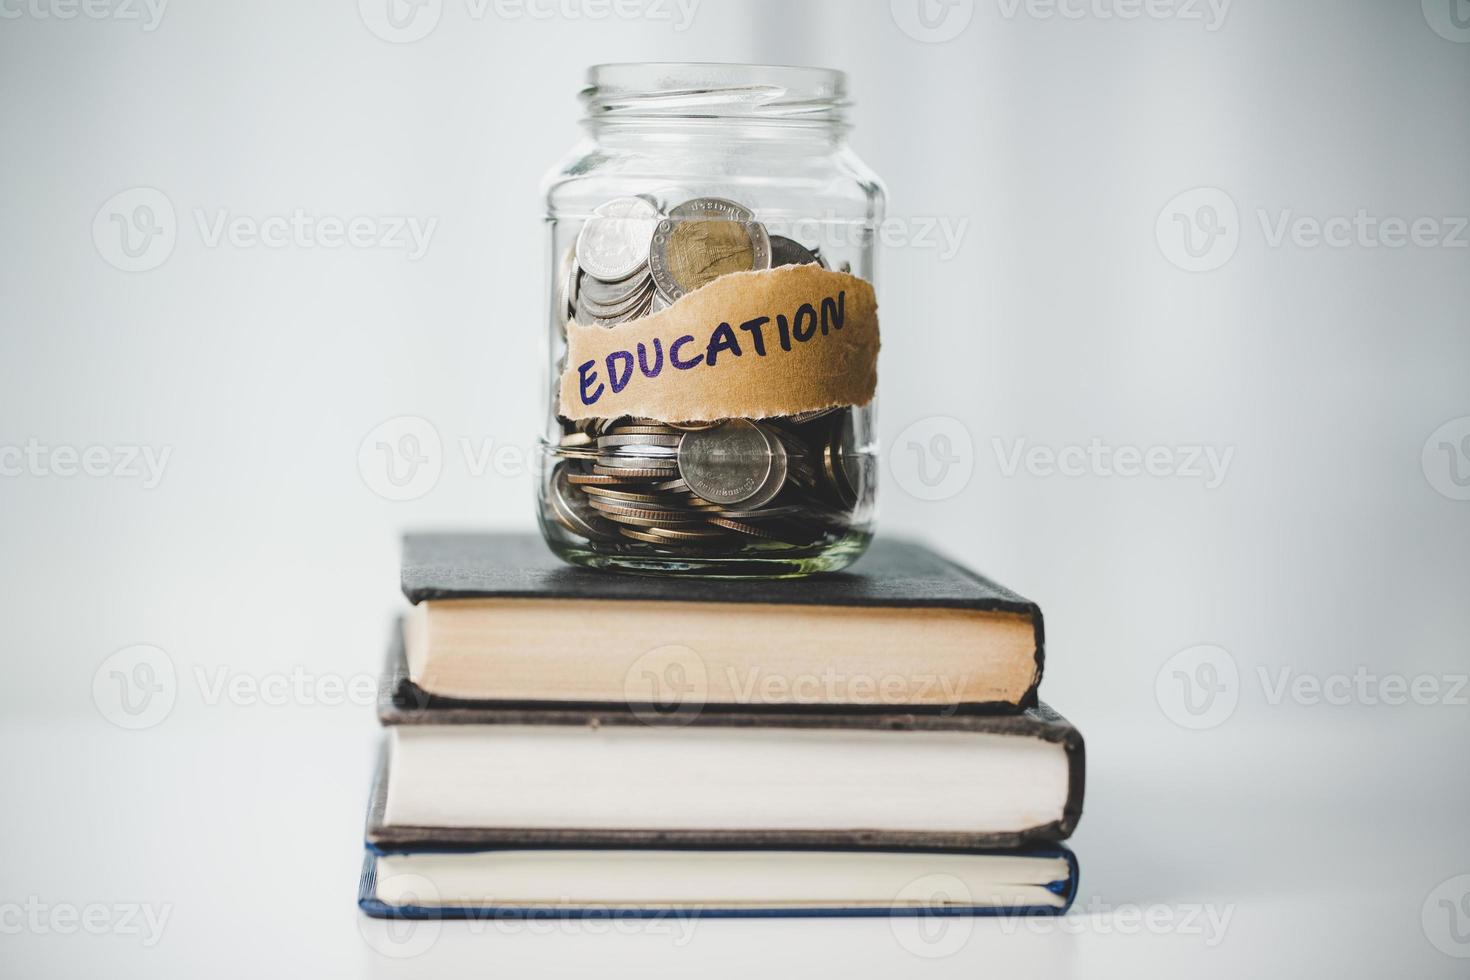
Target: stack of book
(561, 739)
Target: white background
(1336, 544)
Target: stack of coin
(712, 487)
(631, 259)
(606, 280)
(709, 487)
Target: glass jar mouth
(691, 90)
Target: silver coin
(587, 316)
(660, 508)
(596, 293)
(780, 469)
(609, 442)
(571, 510)
(712, 207)
(641, 450)
(842, 464)
(614, 462)
(731, 463)
(642, 428)
(758, 513)
(621, 307)
(787, 251)
(613, 244)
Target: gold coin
(702, 251)
(592, 480)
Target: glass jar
(751, 452)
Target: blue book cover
(568, 882)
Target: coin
(591, 480)
(842, 463)
(693, 253)
(626, 473)
(728, 464)
(654, 453)
(614, 242)
(641, 439)
(643, 536)
(597, 293)
(760, 513)
(743, 528)
(570, 509)
(639, 455)
(787, 251)
(641, 429)
(702, 240)
(611, 317)
(642, 520)
(608, 504)
(712, 207)
(780, 471)
(627, 496)
(686, 534)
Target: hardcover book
(497, 619)
(493, 776)
(691, 883)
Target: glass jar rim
(711, 90)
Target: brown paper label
(781, 341)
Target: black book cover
(1039, 721)
(894, 573)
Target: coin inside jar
(571, 509)
(787, 251)
(702, 240)
(733, 463)
(613, 244)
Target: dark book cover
(894, 573)
(1065, 888)
(1037, 722)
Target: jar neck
(633, 130)
(716, 103)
